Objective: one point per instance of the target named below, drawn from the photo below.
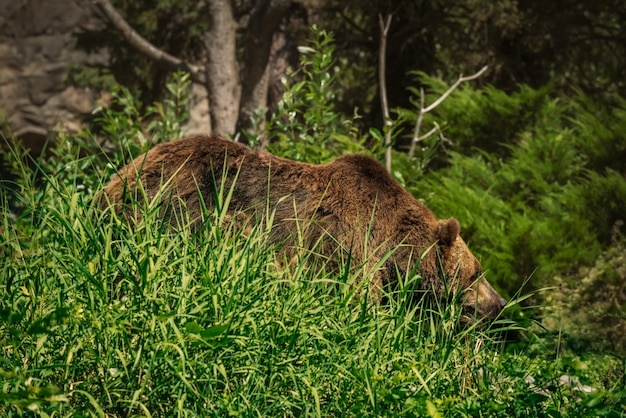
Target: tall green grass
(101, 317)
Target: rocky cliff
(37, 50)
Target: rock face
(37, 50)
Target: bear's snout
(503, 302)
(484, 300)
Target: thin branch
(423, 110)
(144, 46)
(453, 87)
(384, 29)
(418, 125)
(429, 133)
(444, 139)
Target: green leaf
(213, 332)
(193, 328)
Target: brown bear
(349, 205)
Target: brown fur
(334, 200)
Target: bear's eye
(476, 276)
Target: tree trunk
(221, 67)
(263, 24)
(231, 104)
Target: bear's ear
(447, 231)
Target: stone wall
(37, 49)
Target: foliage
(125, 124)
(532, 42)
(538, 189)
(101, 318)
(95, 78)
(98, 317)
(171, 26)
(588, 309)
(489, 119)
(306, 125)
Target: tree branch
(423, 110)
(144, 46)
(384, 30)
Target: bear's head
(463, 272)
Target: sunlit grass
(104, 317)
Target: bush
(545, 204)
(305, 125)
(589, 306)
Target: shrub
(544, 206)
(306, 125)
